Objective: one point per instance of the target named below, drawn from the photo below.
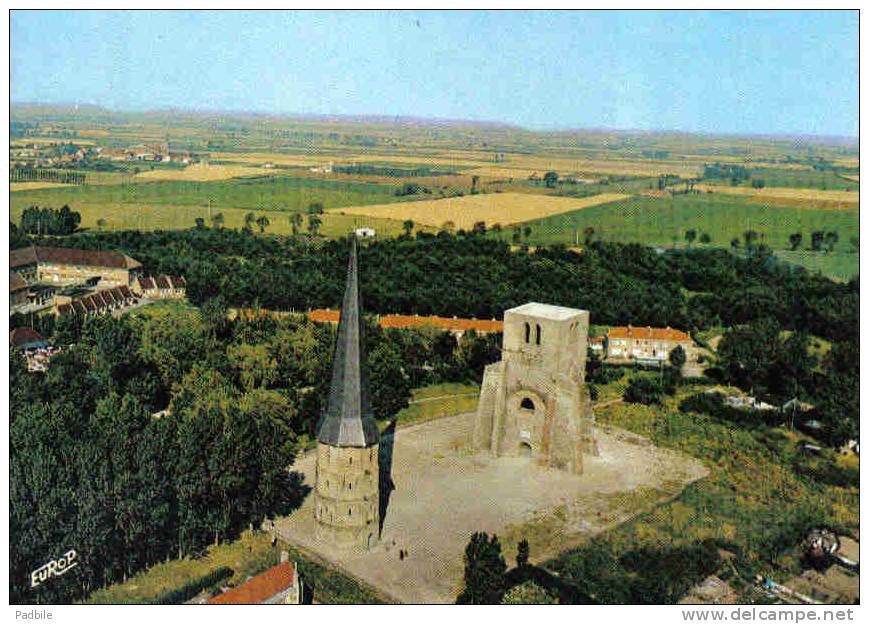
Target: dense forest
(92, 468)
(157, 434)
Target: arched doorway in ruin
(526, 410)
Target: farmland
(200, 172)
(459, 174)
(664, 221)
(786, 176)
(464, 212)
(169, 217)
(806, 196)
(266, 192)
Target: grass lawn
(248, 555)
(437, 401)
(664, 221)
(838, 265)
(761, 495)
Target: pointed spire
(347, 419)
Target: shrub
(528, 593)
(187, 591)
(643, 390)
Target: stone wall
(346, 504)
(534, 401)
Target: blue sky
(722, 72)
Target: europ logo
(55, 567)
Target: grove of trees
(153, 436)
(36, 220)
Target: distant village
(25, 154)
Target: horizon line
(383, 119)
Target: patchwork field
(266, 192)
(161, 217)
(480, 163)
(491, 208)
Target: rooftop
(545, 311)
(260, 588)
(24, 337)
(347, 419)
(16, 282)
(649, 333)
(77, 257)
(403, 321)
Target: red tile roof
(260, 588)
(649, 333)
(400, 321)
(24, 335)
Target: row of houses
(96, 303)
(456, 326)
(161, 287)
(82, 281)
(651, 345)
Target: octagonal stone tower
(346, 504)
(534, 402)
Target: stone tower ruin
(534, 402)
(346, 504)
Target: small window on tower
(527, 332)
(527, 404)
(537, 331)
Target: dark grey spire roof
(347, 420)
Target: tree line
(38, 174)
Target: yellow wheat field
(32, 186)
(200, 172)
(806, 195)
(492, 208)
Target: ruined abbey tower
(534, 402)
(346, 504)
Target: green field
(438, 401)
(167, 217)
(838, 265)
(664, 221)
(177, 205)
(798, 178)
(267, 193)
